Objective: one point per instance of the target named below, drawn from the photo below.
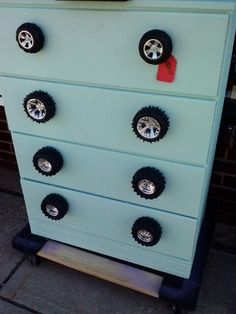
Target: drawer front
(101, 47)
(103, 118)
(110, 174)
(110, 220)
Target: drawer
(110, 174)
(101, 47)
(103, 118)
(91, 218)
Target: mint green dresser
(114, 109)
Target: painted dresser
(114, 109)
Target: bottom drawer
(110, 227)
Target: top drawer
(101, 47)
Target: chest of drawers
(112, 159)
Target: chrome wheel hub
(26, 40)
(52, 210)
(146, 186)
(153, 49)
(36, 109)
(44, 165)
(148, 127)
(144, 235)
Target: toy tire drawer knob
(30, 37)
(39, 106)
(150, 124)
(148, 182)
(48, 161)
(155, 46)
(146, 231)
(54, 206)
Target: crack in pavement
(22, 306)
(9, 276)
(13, 271)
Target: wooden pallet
(101, 267)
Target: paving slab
(218, 292)
(225, 238)
(12, 220)
(7, 308)
(54, 289)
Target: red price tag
(166, 71)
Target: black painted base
(27, 242)
(184, 292)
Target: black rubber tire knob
(146, 231)
(148, 182)
(30, 37)
(48, 161)
(155, 46)
(39, 106)
(54, 206)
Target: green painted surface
(103, 118)
(90, 216)
(101, 48)
(91, 67)
(110, 174)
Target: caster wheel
(150, 124)
(54, 206)
(48, 161)
(39, 106)
(148, 182)
(30, 37)
(146, 231)
(178, 310)
(34, 260)
(155, 46)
